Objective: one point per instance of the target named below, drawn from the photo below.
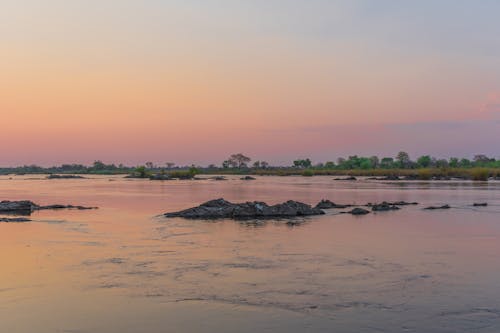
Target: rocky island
(220, 208)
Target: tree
(170, 165)
(465, 163)
(141, 171)
(98, 165)
(387, 163)
(149, 165)
(374, 161)
(238, 160)
(441, 163)
(264, 164)
(453, 162)
(481, 159)
(403, 159)
(302, 163)
(256, 164)
(329, 165)
(424, 161)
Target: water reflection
(123, 268)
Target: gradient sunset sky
(193, 81)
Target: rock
(358, 211)
(402, 203)
(389, 177)
(383, 207)
(218, 178)
(347, 178)
(160, 176)
(14, 219)
(247, 178)
(135, 175)
(327, 204)
(26, 207)
(22, 207)
(220, 208)
(438, 207)
(480, 204)
(64, 207)
(64, 177)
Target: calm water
(123, 268)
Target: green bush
(480, 174)
(307, 173)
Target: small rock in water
(438, 207)
(21, 206)
(480, 204)
(14, 219)
(64, 207)
(383, 207)
(347, 178)
(53, 176)
(359, 211)
(26, 207)
(402, 203)
(327, 204)
(247, 178)
(218, 178)
(160, 176)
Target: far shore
(478, 174)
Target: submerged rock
(26, 207)
(438, 207)
(389, 177)
(160, 176)
(346, 178)
(64, 177)
(384, 206)
(402, 203)
(480, 204)
(358, 211)
(327, 204)
(247, 178)
(14, 219)
(64, 207)
(220, 208)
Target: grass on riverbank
(421, 174)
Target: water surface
(123, 268)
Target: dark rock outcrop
(327, 204)
(53, 176)
(220, 208)
(22, 207)
(438, 207)
(480, 204)
(218, 178)
(247, 178)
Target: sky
(192, 81)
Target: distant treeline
(424, 167)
